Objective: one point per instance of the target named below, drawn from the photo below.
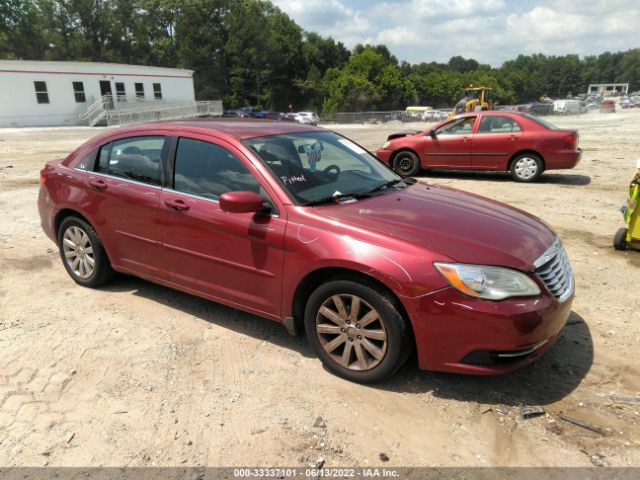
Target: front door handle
(465, 139)
(98, 184)
(176, 205)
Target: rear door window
(138, 159)
(209, 170)
(498, 124)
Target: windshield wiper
(386, 185)
(336, 198)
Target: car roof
(241, 129)
(492, 113)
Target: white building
(609, 89)
(40, 93)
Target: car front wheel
(82, 253)
(526, 167)
(356, 331)
(406, 164)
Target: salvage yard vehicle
(475, 98)
(309, 118)
(607, 106)
(521, 144)
(304, 227)
(629, 237)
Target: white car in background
(308, 118)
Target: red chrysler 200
(518, 143)
(304, 227)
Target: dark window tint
(139, 90)
(208, 170)
(136, 158)
(78, 92)
(121, 93)
(157, 91)
(495, 124)
(42, 96)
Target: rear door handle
(176, 205)
(97, 184)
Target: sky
(491, 31)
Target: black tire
(397, 346)
(102, 271)
(620, 239)
(526, 167)
(406, 164)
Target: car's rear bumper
(455, 333)
(563, 159)
(45, 209)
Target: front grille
(555, 271)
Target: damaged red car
(518, 143)
(304, 227)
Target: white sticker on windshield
(352, 146)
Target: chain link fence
(389, 116)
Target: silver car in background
(307, 118)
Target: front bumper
(384, 155)
(456, 333)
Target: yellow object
(475, 98)
(633, 213)
(630, 237)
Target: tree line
(249, 52)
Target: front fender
(406, 269)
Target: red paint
(488, 151)
(256, 261)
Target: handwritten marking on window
(293, 179)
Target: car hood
(465, 227)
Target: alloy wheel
(78, 252)
(351, 332)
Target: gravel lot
(136, 374)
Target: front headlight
(489, 283)
(386, 144)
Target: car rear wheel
(526, 167)
(620, 239)
(406, 164)
(356, 331)
(82, 253)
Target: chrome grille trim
(554, 269)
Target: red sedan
(304, 227)
(521, 144)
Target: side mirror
(432, 133)
(241, 201)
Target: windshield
(472, 94)
(316, 166)
(540, 121)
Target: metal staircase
(131, 110)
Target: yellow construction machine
(475, 98)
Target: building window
(139, 90)
(78, 92)
(41, 92)
(121, 93)
(157, 91)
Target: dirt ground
(136, 374)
